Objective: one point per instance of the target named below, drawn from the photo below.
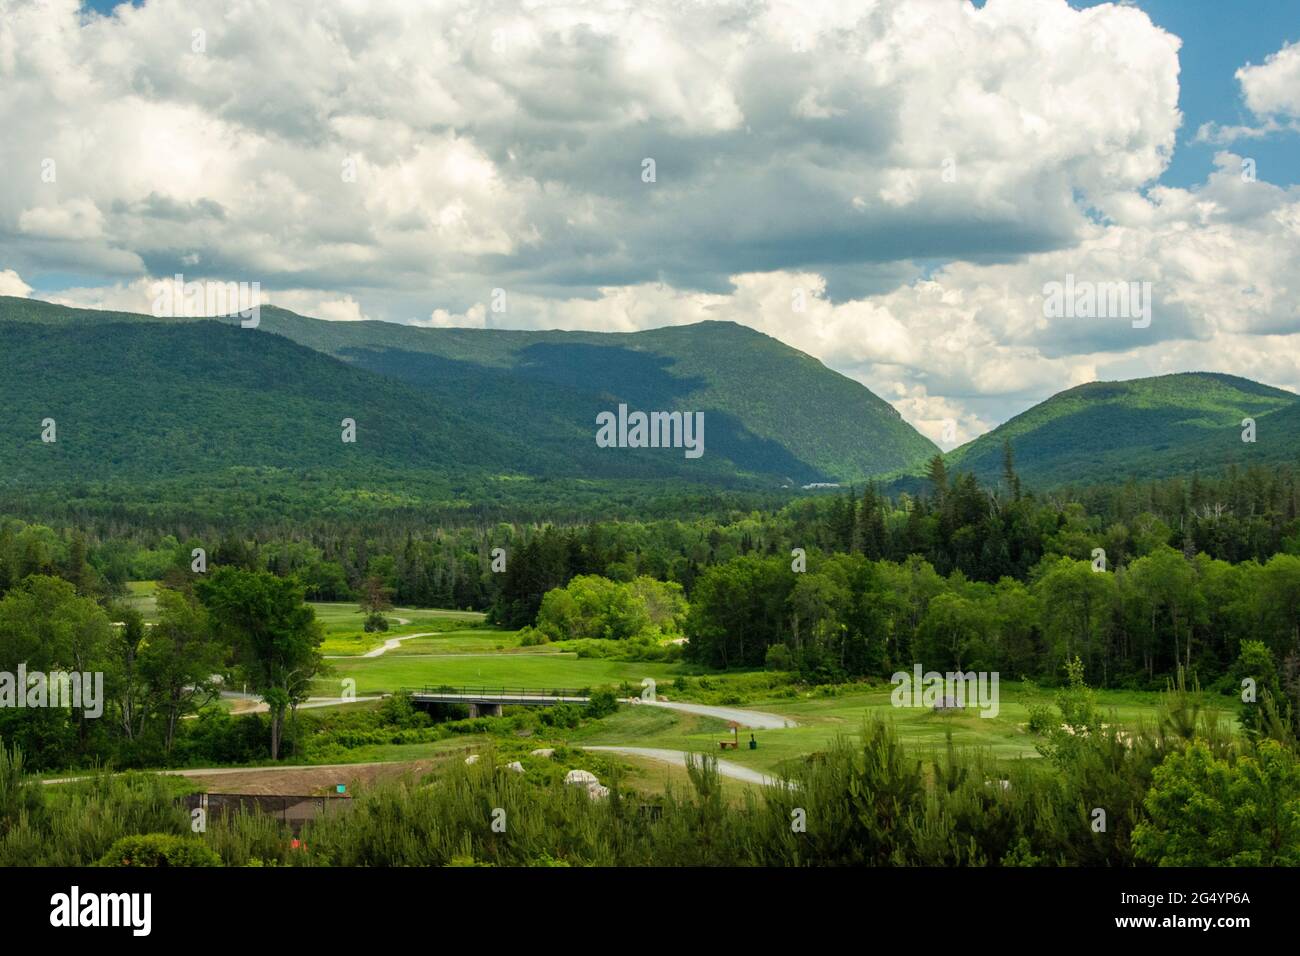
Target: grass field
(394, 671)
(484, 640)
(344, 625)
(461, 651)
(821, 719)
(140, 595)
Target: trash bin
(753, 744)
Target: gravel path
(388, 645)
(746, 718)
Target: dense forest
(1136, 579)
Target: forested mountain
(769, 408)
(1109, 432)
(139, 401)
(494, 400)
(485, 414)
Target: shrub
(779, 658)
(532, 637)
(159, 849)
(399, 711)
(1207, 811)
(561, 715)
(1042, 719)
(602, 703)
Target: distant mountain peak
(1151, 427)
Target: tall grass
(867, 801)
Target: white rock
(472, 758)
(582, 778)
(543, 752)
(598, 792)
(516, 766)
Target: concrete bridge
(488, 701)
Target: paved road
(727, 769)
(746, 718)
(261, 706)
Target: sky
(891, 186)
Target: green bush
(159, 849)
(532, 637)
(561, 715)
(602, 703)
(779, 658)
(1042, 719)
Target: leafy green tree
(1278, 597)
(1014, 623)
(181, 661)
(1164, 583)
(818, 607)
(274, 633)
(594, 607)
(778, 658)
(1077, 605)
(125, 645)
(953, 628)
(47, 626)
(738, 610)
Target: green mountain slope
(138, 401)
(1143, 428)
(139, 398)
(769, 410)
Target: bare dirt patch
(313, 781)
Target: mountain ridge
(759, 396)
(776, 416)
(1176, 423)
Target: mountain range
(135, 397)
(444, 412)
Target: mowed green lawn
(340, 616)
(344, 625)
(822, 719)
(140, 595)
(394, 671)
(344, 622)
(484, 640)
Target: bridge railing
(482, 691)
